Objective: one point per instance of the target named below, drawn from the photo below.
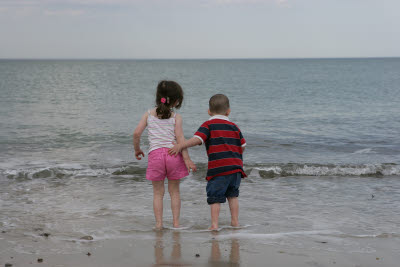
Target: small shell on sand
(45, 234)
(87, 237)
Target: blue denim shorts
(221, 187)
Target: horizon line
(227, 58)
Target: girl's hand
(190, 165)
(138, 153)
(175, 150)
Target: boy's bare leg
(234, 256)
(173, 189)
(158, 196)
(234, 207)
(215, 251)
(214, 215)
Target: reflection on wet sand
(216, 258)
(176, 254)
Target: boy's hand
(190, 165)
(138, 153)
(175, 150)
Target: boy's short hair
(219, 104)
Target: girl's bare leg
(159, 248)
(173, 189)
(176, 253)
(158, 196)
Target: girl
(164, 128)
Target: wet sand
(177, 248)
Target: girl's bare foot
(235, 224)
(158, 227)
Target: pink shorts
(161, 165)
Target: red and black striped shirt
(224, 144)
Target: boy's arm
(242, 141)
(136, 136)
(199, 138)
(194, 141)
(180, 139)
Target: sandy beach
(228, 247)
(285, 222)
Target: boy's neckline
(222, 117)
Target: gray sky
(199, 29)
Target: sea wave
(293, 169)
(260, 170)
(62, 172)
(365, 151)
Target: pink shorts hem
(161, 165)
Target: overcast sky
(199, 28)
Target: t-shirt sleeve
(203, 133)
(242, 140)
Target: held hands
(138, 153)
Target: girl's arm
(180, 138)
(136, 136)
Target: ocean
(323, 153)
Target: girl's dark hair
(171, 93)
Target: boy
(225, 145)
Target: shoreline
(225, 248)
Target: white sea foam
(330, 170)
(32, 173)
(365, 151)
(75, 166)
(177, 228)
(277, 235)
